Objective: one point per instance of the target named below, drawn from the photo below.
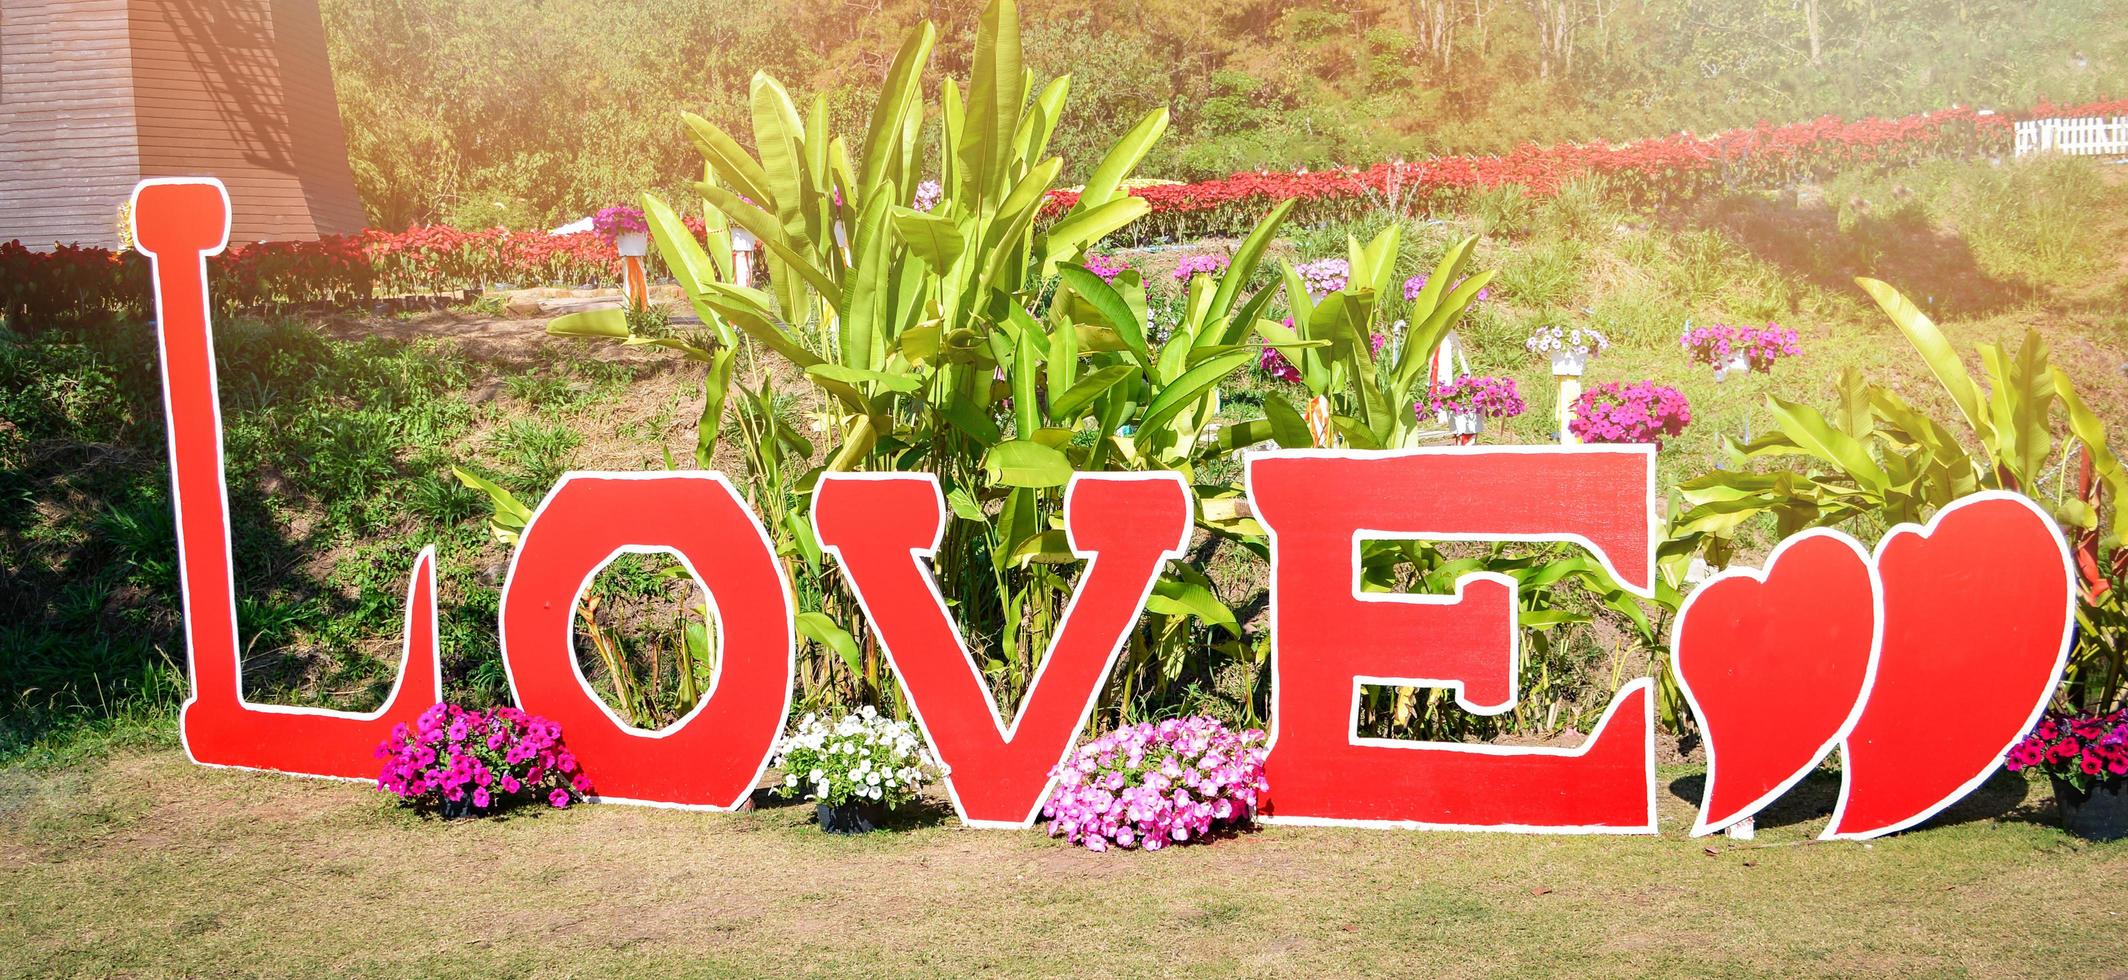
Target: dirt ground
(147, 864)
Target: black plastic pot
(461, 809)
(854, 817)
(2100, 813)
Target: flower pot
(461, 809)
(853, 817)
(1466, 423)
(2100, 813)
(632, 244)
(1737, 364)
(1569, 363)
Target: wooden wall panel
(68, 155)
(96, 94)
(240, 89)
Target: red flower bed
(1652, 170)
(435, 260)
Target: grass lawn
(144, 863)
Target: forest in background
(528, 113)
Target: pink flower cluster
(927, 195)
(2081, 750)
(1106, 266)
(1715, 343)
(618, 220)
(1150, 785)
(1211, 264)
(1491, 397)
(1413, 285)
(1324, 276)
(479, 758)
(1642, 411)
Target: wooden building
(98, 94)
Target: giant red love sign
(1831, 646)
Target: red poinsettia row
(1653, 170)
(434, 260)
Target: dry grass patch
(148, 864)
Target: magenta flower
(1107, 267)
(484, 758)
(1640, 412)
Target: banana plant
(1330, 340)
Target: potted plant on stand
(2085, 756)
(626, 228)
(1569, 352)
(856, 770)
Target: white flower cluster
(863, 756)
(1585, 341)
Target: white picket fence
(2076, 137)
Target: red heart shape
(1978, 607)
(1775, 666)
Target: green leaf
(1936, 352)
(1109, 303)
(1192, 385)
(730, 161)
(716, 385)
(1122, 158)
(818, 628)
(1026, 463)
(934, 238)
(510, 517)
(1072, 402)
(993, 101)
(1171, 597)
(1246, 258)
(1287, 427)
(855, 376)
(900, 96)
(1818, 437)
(611, 321)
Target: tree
(1557, 21)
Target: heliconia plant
(978, 340)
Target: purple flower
(490, 756)
(1490, 397)
(1324, 276)
(927, 195)
(1208, 264)
(1152, 785)
(1716, 344)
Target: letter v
(881, 528)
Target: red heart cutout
(1978, 607)
(1775, 666)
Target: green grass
(231, 872)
